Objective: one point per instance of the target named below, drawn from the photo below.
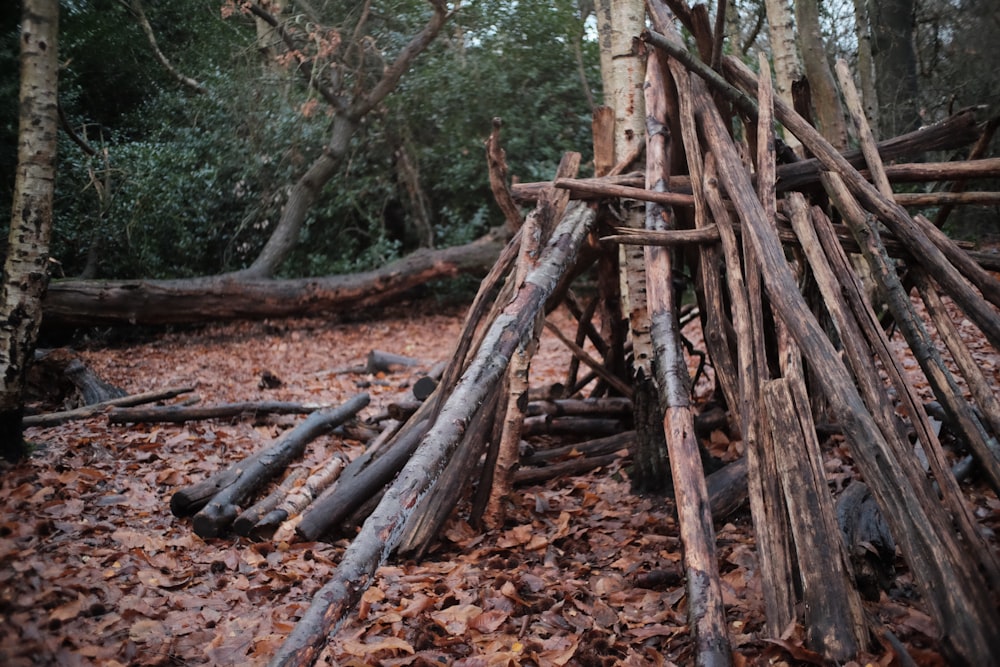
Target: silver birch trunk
(25, 275)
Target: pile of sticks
(756, 234)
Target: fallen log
(191, 499)
(254, 472)
(74, 303)
(178, 413)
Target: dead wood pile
(792, 335)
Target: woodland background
(183, 183)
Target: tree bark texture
(788, 70)
(891, 24)
(25, 271)
(383, 530)
(252, 473)
(825, 97)
(228, 297)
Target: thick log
(56, 418)
(71, 303)
(255, 471)
(382, 531)
(190, 499)
(980, 148)
(181, 413)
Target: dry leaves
(95, 570)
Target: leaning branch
(383, 530)
(135, 7)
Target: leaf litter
(95, 570)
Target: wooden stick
(56, 418)
(937, 559)
(174, 413)
(382, 531)
(898, 221)
(706, 612)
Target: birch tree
(623, 73)
(788, 71)
(25, 274)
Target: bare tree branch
(135, 8)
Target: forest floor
(95, 570)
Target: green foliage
(514, 61)
(183, 184)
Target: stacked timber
(791, 331)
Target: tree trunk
(787, 66)
(623, 83)
(227, 297)
(865, 64)
(349, 110)
(301, 199)
(891, 24)
(25, 273)
(825, 98)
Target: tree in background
(353, 78)
(890, 32)
(823, 89)
(25, 273)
